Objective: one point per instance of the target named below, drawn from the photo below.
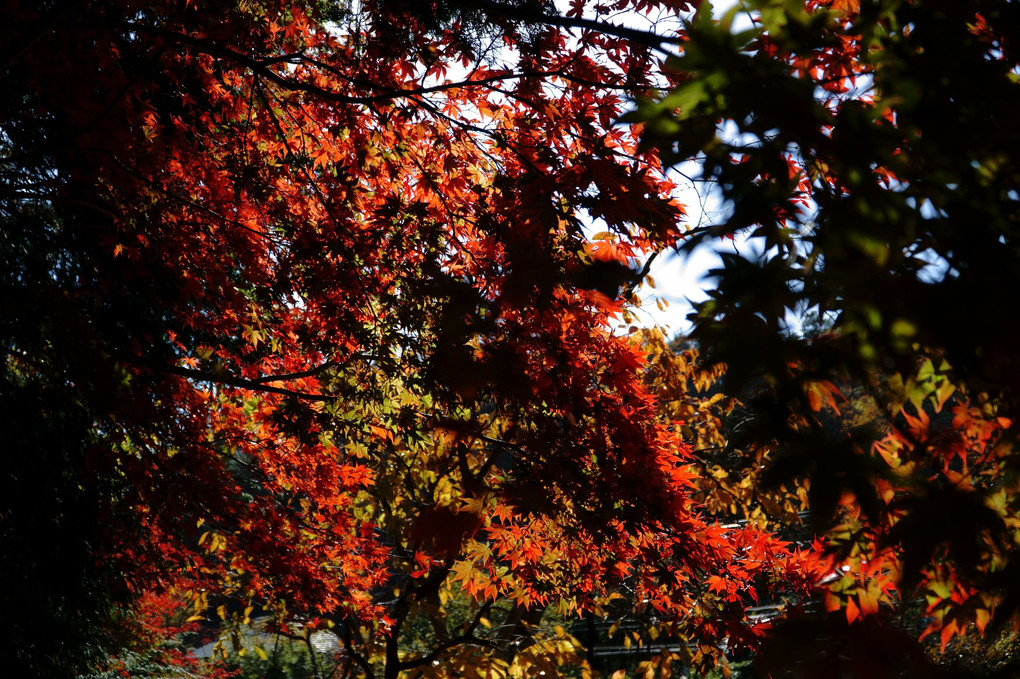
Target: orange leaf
(852, 611)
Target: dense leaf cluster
(316, 332)
(303, 325)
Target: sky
(681, 280)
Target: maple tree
(302, 320)
(303, 291)
(869, 148)
(152, 642)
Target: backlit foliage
(305, 293)
(317, 279)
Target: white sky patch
(681, 280)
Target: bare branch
(221, 377)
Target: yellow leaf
(981, 618)
(846, 7)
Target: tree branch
(223, 377)
(296, 375)
(531, 15)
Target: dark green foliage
(890, 206)
(915, 259)
(55, 598)
(285, 659)
(869, 151)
